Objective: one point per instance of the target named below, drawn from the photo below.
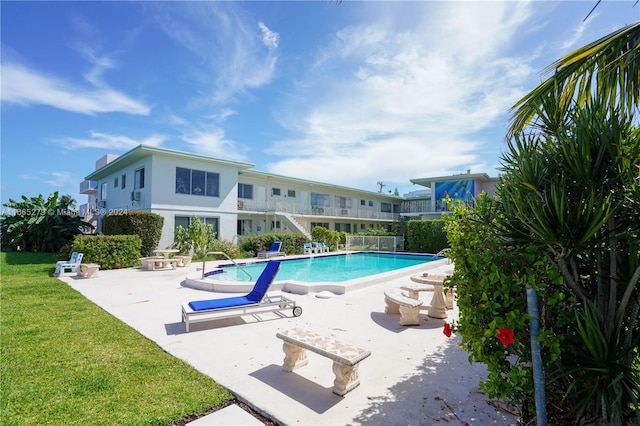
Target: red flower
(447, 329)
(505, 335)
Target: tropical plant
(572, 188)
(36, 224)
(490, 279)
(609, 66)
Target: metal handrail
(204, 259)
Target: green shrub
(329, 237)
(146, 225)
(109, 251)
(291, 243)
(426, 236)
(490, 280)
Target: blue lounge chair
(256, 301)
(273, 251)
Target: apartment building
(233, 197)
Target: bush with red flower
(490, 279)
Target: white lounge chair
(309, 248)
(68, 267)
(322, 248)
(73, 258)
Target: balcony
(89, 187)
(294, 209)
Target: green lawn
(65, 361)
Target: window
(212, 188)
(244, 226)
(123, 181)
(363, 202)
(245, 191)
(115, 182)
(291, 193)
(197, 182)
(183, 181)
(319, 200)
(385, 207)
(343, 227)
(185, 222)
(323, 224)
(343, 202)
(138, 179)
(103, 191)
(370, 203)
(275, 191)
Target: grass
(64, 360)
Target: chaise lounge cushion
(228, 302)
(255, 296)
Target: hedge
(109, 251)
(146, 225)
(291, 243)
(426, 236)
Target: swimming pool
(332, 268)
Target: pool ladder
(227, 256)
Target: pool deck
(415, 375)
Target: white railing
(297, 209)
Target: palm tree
(609, 66)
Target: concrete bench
(88, 270)
(184, 260)
(149, 262)
(408, 307)
(345, 356)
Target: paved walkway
(415, 375)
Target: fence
(372, 243)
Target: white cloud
(233, 57)
(411, 99)
(24, 86)
(211, 141)
(108, 141)
(269, 38)
(54, 179)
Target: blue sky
(349, 93)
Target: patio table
(438, 307)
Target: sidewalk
(415, 375)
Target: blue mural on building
(456, 189)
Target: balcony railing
(89, 187)
(297, 209)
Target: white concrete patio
(415, 375)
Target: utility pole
(381, 185)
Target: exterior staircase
(295, 224)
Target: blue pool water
(333, 268)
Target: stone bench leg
(409, 316)
(295, 357)
(391, 306)
(347, 378)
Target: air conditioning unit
(135, 196)
(102, 204)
